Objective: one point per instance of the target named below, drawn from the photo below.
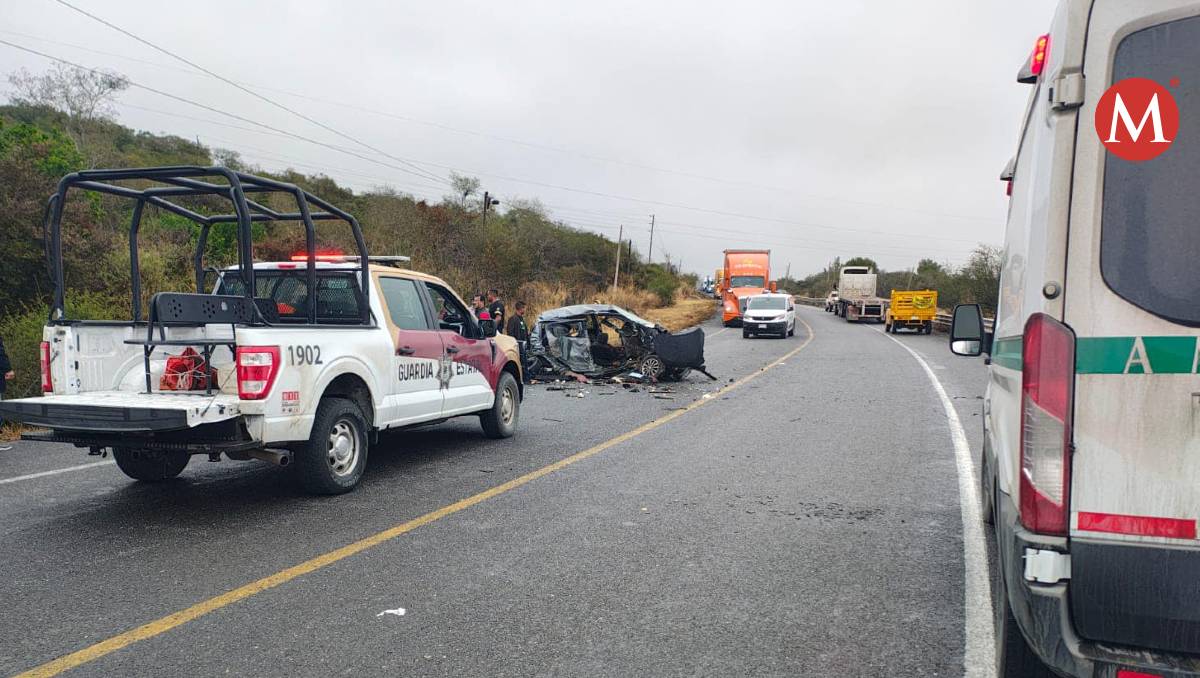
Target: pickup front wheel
(501, 420)
(333, 459)
(150, 466)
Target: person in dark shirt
(496, 307)
(517, 329)
(6, 373)
(477, 305)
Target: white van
(1091, 462)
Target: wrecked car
(601, 341)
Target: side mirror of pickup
(966, 330)
(488, 326)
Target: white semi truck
(856, 295)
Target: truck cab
(300, 363)
(747, 273)
(1090, 469)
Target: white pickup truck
(325, 352)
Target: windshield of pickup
(337, 300)
(767, 304)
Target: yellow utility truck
(911, 309)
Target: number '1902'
(304, 355)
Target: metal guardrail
(941, 322)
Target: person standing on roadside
(478, 307)
(6, 372)
(517, 329)
(496, 308)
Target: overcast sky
(815, 129)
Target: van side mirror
(966, 330)
(488, 326)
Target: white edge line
(43, 474)
(979, 652)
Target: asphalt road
(805, 521)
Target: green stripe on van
(1006, 352)
(1115, 355)
(1135, 355)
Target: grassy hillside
(520, 246)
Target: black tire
(652, 366)
(333, 459)
(150, 466)
(928, 327)
(1014, 658)
(501, 420)
(745, 334)
(987, 492)
(792, 331)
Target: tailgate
(1133, 298)
(122, 411)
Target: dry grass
(683, 314)
(11, 432)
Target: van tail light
(1041, 52)
(47, 382)
(257, 367)
(1047, 401)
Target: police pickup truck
(298, 363)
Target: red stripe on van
(1146, 526)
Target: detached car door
(415, 394)
(467, 361)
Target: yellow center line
(164, 624)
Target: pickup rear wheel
(333, 459)
(150, 466)
(501, 420)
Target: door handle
(406, 350)
(452, 349)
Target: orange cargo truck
(746, 273)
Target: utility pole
(488, 201)
(620, 244)
(650, 252)
(788, 273)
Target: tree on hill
(86, 96)
(862, 261)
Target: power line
(217, 110)
(249, 91)
(530, 144)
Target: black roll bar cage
(186, 181)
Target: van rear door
(1132, 296)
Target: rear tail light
(257, 367)
(1047, 395)
(47, 382)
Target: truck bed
(122, 411)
